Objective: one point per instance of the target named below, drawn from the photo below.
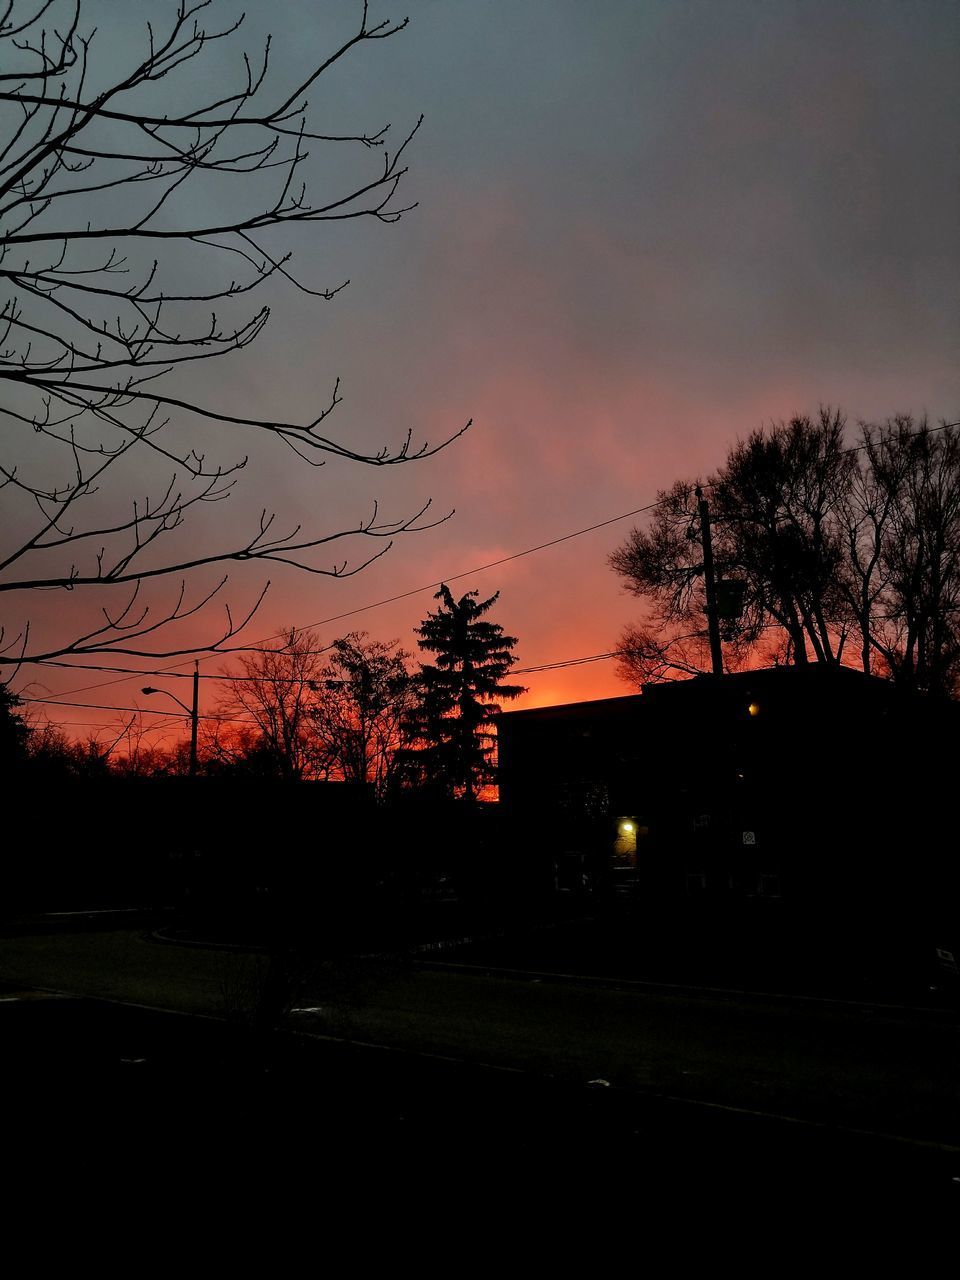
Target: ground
(416, 1061)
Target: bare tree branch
(89, 337)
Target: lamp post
(193, 712)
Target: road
(857, 1067)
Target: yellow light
(627, 828)
(754, 708)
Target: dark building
(818, 786)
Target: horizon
(642, 233)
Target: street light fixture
(193, 712)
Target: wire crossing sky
(643, 229)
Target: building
(817, 785)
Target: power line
(455, 577)
(146, 711)
(559, 664)
(517, 671)
(404, 595)
(96, 724)
(273, 679)
(79, 724)
(182, 675)
(172, 672)
(563, 662)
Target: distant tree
(137, 752)
(364, 692)
(41, 749)
(234, 750)
(451, 731)
(271, 694)
(126, 748)
(51, 754)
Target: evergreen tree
(450, 731)
(14, 731)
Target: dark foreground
(140, 1085)
(559, 1057)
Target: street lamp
(193, 712)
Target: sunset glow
(637, 239)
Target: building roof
(793, 679)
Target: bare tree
(663, 567)
(362, 699)
(776, 501)
(50, 752)
(104, 457)
(903, 531)
(776, 537)
(646, 655)
(275, 691)
(823, 540)
(867, 512)
(140, 752)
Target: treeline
(356, 710)
(828, 547)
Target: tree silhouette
(773, 508)
(451, 730)
(265, 723)
(822, 542)
(902, 575)
(14, 731)
(363, 694)
(138, 193)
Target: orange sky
(644, 229)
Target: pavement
(424, 1060)
(120, 1079)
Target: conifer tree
(450, 732)
(14, 731)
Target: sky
(644, 228)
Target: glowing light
(754, 708)
(627, 828)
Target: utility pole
(709, 584)
(194, 719)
